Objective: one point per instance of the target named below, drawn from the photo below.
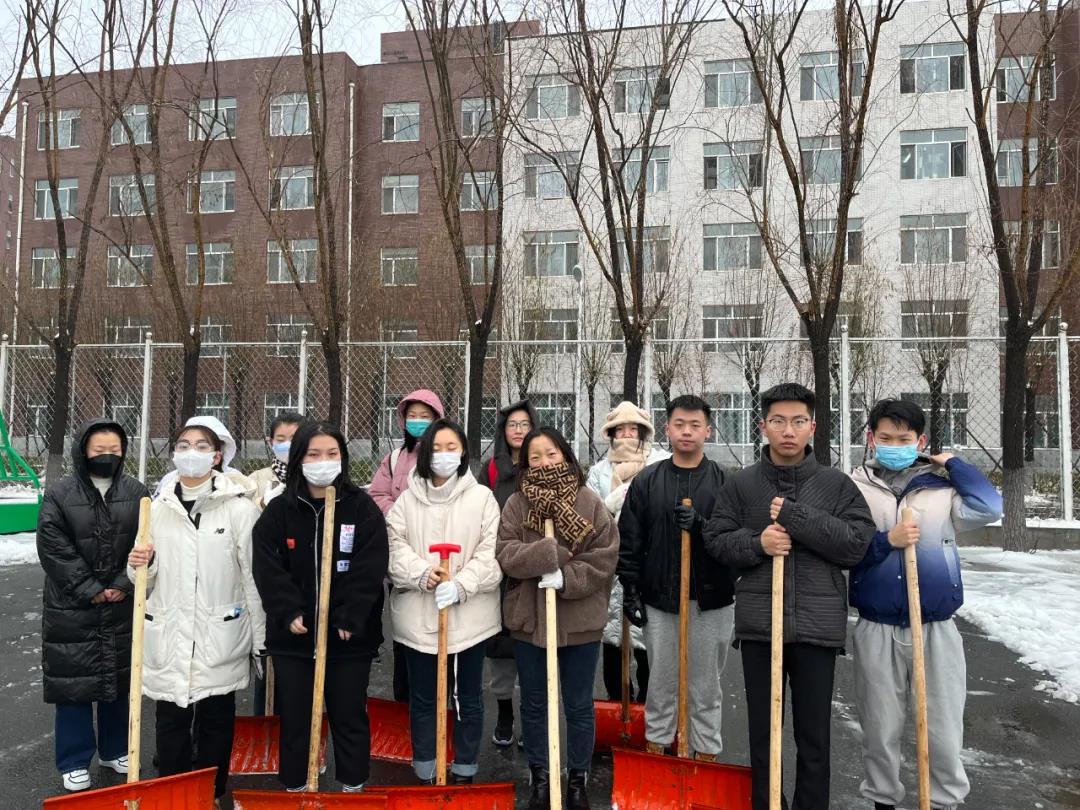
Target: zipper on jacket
(315, 554)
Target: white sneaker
(120, 764)
(76, 780)
(301, 789)
(353, 788)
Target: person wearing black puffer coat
(86, 528)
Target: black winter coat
(650, 543)
(286, 551)
(830, 527)
(83, 543)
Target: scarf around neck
(552, 493)
(627, 457)
(280, 468)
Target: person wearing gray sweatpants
(946, 496)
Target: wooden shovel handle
(322, 629)
(551, 640)
(138, 623)
(625, 656)
(683, 747)
(918, 666)
(441, 685)
(776, 682)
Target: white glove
(553, 580)
(446, 594)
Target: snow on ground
(1029, 603)
(16, 549)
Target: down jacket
(204, 618)
(945, 503)
(830, 527)
(460, 512)
(83, 541)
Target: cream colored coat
(460, 512)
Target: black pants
(613, 673)
(346, 705)
(809, 670)
(198, 736)
(401, 674)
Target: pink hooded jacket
(386, 485)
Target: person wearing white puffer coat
(204, 617)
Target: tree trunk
(635, 347)
(60, 396)
(819, 351)
(1030, 423)
(590, 392)
(191, 379)
(332, 354)
(1012, 442)
(474, 416)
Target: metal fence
(959, 381)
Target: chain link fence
(958, 381)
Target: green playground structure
(18, 506)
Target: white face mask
(445, 464)
(192, 463)
(281, 451)
(321, 473)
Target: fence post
(646, 388)
(468, 388)
(845, 399)
(3, 369)
(144, 422)
(301, 388)
(1065, 422)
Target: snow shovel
(620, 723)
(391, 738)
(551, 643)
(184, 791)
(655, 781)
(918, 665)
(776, 684)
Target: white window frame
(137, 117)
(731, 421)
(305, 257)
(213, 403)
(124, 191)
(130, 265)
(212, 119)
(731, 239)
(481, 262)
(67, 191)
(543, 101)
(656, 241)
(220, 263)
(720, 322)
(742, 160)
(636, 88)
(1013, 80)
(280, 327)
(45, 268)
(928, 63)
(125, 410)
(285, 112)
(1010, 162)
(399, 267)
(920, 320)
(955, 411)
(215, 331)
(1051, 251)
(401, 122)
(819, 75)
(544, 250)
(547, 178)
(401, 334)
(213, 186)
(479, 192)
(730, 83)
(118, 330)
(919, 153)
(821, 159)
(825, 229)
(400, 190)
(68, 129)
(292, 188)
(477, 117)
(540, 325)
(283, 402)
(924, 227)
(657, 170)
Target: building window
(130, 266)
(552, 97)
(401, 122)
(656, 250)
(37, 417)
(478, 192)
(290, 114)
(285, 332)
(67, 130)
(7, 239)
(732, 420)
(402, 333)
(304, 254)
(218, 257)
(128, 331)
(821, 159)
(278, 404)
(550, 253)
(215, 332)
(1047, 427)
(656, 172)
(932, 153)
(819, 76)
(933, 239)
(481, 262)
(125, 409)
(11, 203)
(726, 321)
(1014, 80)
(551, 178)
(636, 88)
(542, 325)
(399, 267)
(213, 403)
(45, 268)
(732, 246)
(822, 240)
(215, 191)
(734, 166)
(932, 319)
(659, 327)
(292, 187)
(555, 409)
(1010, 162)
(954, 409)
(67, 190)
(137, 120)
(731, 83)
(936, 67)
(212, 119)
(125, 199)
(477, 116)
(401, 194)
(1051, 250)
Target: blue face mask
(416, 427)
(893, 457)
(281, 451)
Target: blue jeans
(468, 669)
(75, 743)
(577, 673)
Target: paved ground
(1023, 748)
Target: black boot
(880, 806)
(458, 779)
(503, 735)
(540, 797)
(576, 798)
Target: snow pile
(1029, 603)
(18, 549)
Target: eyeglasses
(202, 447)
(779, 422)
(519, 425)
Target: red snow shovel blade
(655, 782)
(184, 791)
(611, 732)
(256, 748)
(279, 800)
(391, 738)
(494, 796)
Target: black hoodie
(505, 470)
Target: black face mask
(104, 466)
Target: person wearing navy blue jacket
(947, 496)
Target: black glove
(633, 608)
(686, 517)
